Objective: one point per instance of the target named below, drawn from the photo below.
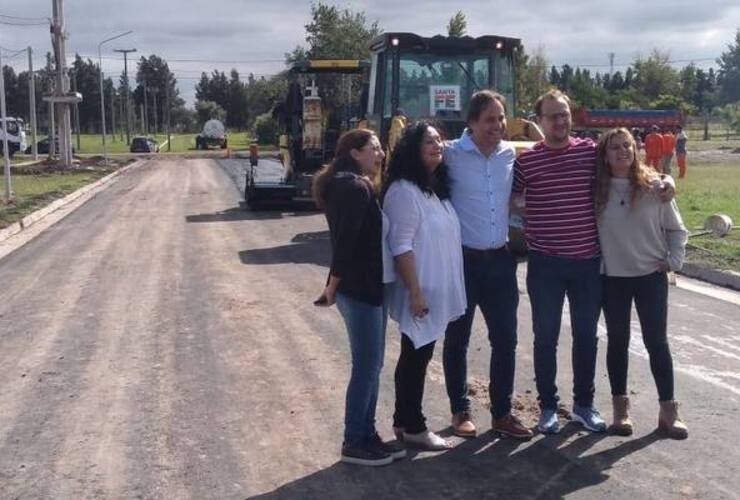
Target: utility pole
(120, 114)
(102, 91)
(154, 91)
(611, 64)
(167, 111)
(142, 110)
(62, 89)
(125, 53)
(146, 115)
(113, 113)
(53, 131)
(32, 100)
(6, 150)
(77, 110)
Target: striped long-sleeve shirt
(560, 217)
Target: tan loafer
(462, 425)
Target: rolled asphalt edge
(723, 278)
(719, 277)
(92, 189)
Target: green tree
(458, 25)
(237, 111)
(729, 114)
(209, 110)
(672, 101)
(262, 94)
(531, 77)
(213, 88)
(154, 73)
(339, 34)
(266, 129)
(13, 102)
(688, 82)
(728, 76)
(705, 98)
(334, 33)
(85, 77)
(654, 76)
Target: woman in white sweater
(429, 291)
(642, 239)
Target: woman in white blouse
(429, 292)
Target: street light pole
(102, 95)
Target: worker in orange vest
(669, 144)
(654, 148)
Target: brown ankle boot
(669, 421)
(622, 425)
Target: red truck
(590, 119)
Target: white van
(16, 135)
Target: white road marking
(716, 377)
(722, 342)
(713, 291)
(688, 340)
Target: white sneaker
(426, 440)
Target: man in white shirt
(481, 173)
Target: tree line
(245, 103)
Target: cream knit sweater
(635, 237)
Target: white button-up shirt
(480, 191)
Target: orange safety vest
(669, 144)
(653, 145)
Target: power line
(214, 61)
(23, 23)
(24, 18)
(622, 65)
(15, 53)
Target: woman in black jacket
(345, 191)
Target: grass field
(35, 191)
(91, 144)
(707, 189)
(718, 138)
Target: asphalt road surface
(161, 342)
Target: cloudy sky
(253, 35)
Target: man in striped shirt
(556, 177)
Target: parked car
(43, 147)
(142, 144)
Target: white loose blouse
(430, 228)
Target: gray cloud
(259, 32)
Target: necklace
(622, 193)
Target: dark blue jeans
(366, 330)
(490, 282)
(549, 280)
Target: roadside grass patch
(707, 189)
(33, 192)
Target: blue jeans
(490, 282)
(549, 279)
(366, 330)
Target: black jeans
(650, 294)
(490, 282)
(411, 371)
(549, 280)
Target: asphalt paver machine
(408, 77)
